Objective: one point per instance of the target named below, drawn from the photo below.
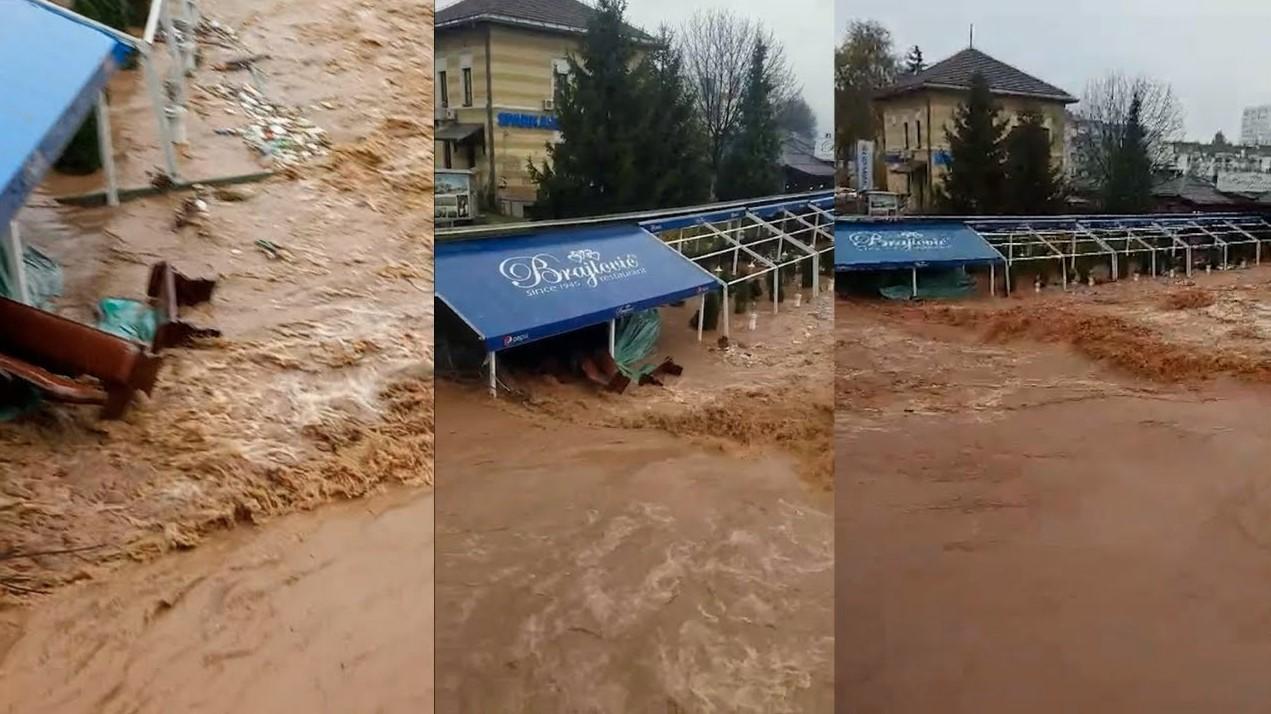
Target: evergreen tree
(913, 60)
(795, 116)
(975, 179)
(594, 168)
(672, 163)
(1220, 140)
(1129, 188)
(750, 167)
(1033, 185)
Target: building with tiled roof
(918, 108)
(497, 65)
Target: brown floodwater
(329, 611)
(1023, 529)
(589, 569)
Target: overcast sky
(1213, 53)
(804, 27)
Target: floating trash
(278, 132)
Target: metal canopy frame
(1202, 239)
(806, 228)
(169, 115)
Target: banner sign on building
(864, 165)
(519, 120)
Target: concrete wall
(454, 50)
(521, 63)
(912, 109)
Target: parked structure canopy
(519, 288)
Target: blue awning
(877, 245)
(516, 289)
(52, 66)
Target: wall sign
(518, 120)
(864, 165)
(905, 240)
(547, 273)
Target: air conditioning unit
(549, 105)
(450, 114)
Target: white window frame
(440, 79)
(559, 66)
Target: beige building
(497, 65)
(917, 110)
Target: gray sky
(804, 27)
(1214, 53)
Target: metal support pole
(1153, 254)
(727, 310)
(914, 292)
(701, 316)
(1189, 259)
(178, 57)
(1006, 279)
(613, 335)
(1257, 253)
(992, 279)
(107, 149)
(776, 278)
(1010, 254)
(190, 47)
(17, 264)
(816, 275)
(165, 132)
(494, 380)
(1063, 272)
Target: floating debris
(272, 249)
(193, 210)
(213, 30)
(278, 132)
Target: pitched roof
(800, 154)
(1191, 189)
(560, 15)
(956, 71)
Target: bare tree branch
(1104, 111)
(716, 45)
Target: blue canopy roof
(52, 66)
(519, 288)
(878, 245)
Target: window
(441, 87)
(919, 134)
(560, 75)
(467, 86)
(906, 135)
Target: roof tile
(956, 72)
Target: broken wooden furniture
(53, 353)
(169, 291)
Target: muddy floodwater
(318, 612)
(1056, 503)
(604, 570)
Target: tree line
(672, 120)
(1003, 164)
